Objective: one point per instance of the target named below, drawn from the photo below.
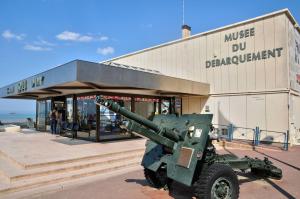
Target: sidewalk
(32, 148)
(133, 185)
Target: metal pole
(286, 141)
(257, 136)
(230, 132)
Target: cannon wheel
(156, 179)
(218, 181)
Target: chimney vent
(186, 31)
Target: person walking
(53, 122)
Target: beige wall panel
(189, 62)
(122, 61)
(238, 115)
(217, 70)
(179, 59)
(210, 104)
(203, 104)
(191, 105)
(224, 52)
(144, 60)
(173, 64)
(167, 62)
(259, 44)
(185, 105)
(269, 37)
(159, 59)
(149, 60)
(187, 59)
(281, 41)
(164, 60)
(238, 111)
(295, 119)
(210, 55)
(196, 60)
(203, 58)
(223, 110)
(136, 60)
(250, 66)
(256, 111)
(130, 60)
(233, 69)
(242, 67)
(194, 104)
(276, 116)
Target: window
(69, 113)
(86, 112)
(111, 123)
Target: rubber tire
(156, 179)
(203, 186)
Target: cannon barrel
(160, 132)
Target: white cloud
(74, 36)
(85, 38)
(103, 38)
(42, 42)
(7, 34)
(36, 48)
(106, 50)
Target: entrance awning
(79, 77)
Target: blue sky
(37, 35)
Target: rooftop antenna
(186, 30)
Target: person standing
(53, 122)
(59, 122)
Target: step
(63, 177)
(12, 172)
(61, 162)
(73, 166)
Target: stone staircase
(15, 177)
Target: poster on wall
(295, 60)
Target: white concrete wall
(240, 94)
(267, 111)
(295, 119)
(187, 59)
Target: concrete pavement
(133, 185)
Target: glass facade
(146, 107)
(83, 111)
(69, 111)
(41, 115)
(86, 116)
(48, 110)
(111, 123)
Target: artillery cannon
(180, 148)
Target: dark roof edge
(61, 65)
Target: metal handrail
(256, 134)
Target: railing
(256, 139)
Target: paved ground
(132, 185)
(41, 148)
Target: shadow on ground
(71, 141)
(178, 191)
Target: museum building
(247, 74)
